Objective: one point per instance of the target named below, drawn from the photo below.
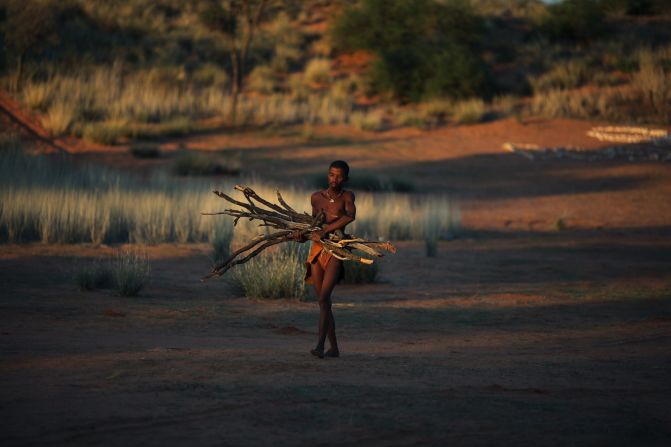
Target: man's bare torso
(333, 205)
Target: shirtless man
(323, 269)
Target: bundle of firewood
(288, 225)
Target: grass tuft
(130, 271)
(358, 273)
(470, 111)
(273, 274)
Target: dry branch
(289, 224)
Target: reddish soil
(517, 333)
(557, 340)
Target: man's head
(338, 174)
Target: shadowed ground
(500, 340)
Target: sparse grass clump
(370, 121)
(60, 117)
(470, 111)
(318, 71)
(262, 80)
(273, 274)
(565, 75)
(358, 273)
(130, 271)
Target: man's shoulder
(316, 195)
(347, 194)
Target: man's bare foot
(332, 353)
(317, 352)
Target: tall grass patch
(358, 273)
(130, 271)
(273, 274)
(49, 199)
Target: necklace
(332, 199)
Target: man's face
(336, 178)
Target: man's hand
(316, 235)
(297, 236)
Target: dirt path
(511, 341)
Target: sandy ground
(512, 340)
(516, 334)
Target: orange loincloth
(318, 254)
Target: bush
(653, 84)
(359, 273)
(60, 117)
(262, 80)
(574, 20)
(272, 274)
(567, 75)
(470, 112)
(130, 271)
(370, 121)
(423, 48)
(318, 71)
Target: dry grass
(130, 271)
(564, 75)
(318, 71)
(60, 117)
(371, 121)
(470, 111)
(262, 80)
(42, 200)
(273, 274)
(653, 84)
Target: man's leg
(326, 320)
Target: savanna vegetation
(113, 72)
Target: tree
(30, 26)
(423, 48)
(237, 21)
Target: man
(323, 269)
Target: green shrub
(273, 274)
(130, 271)
(423, 48)
(574, 20)
(359, 273)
